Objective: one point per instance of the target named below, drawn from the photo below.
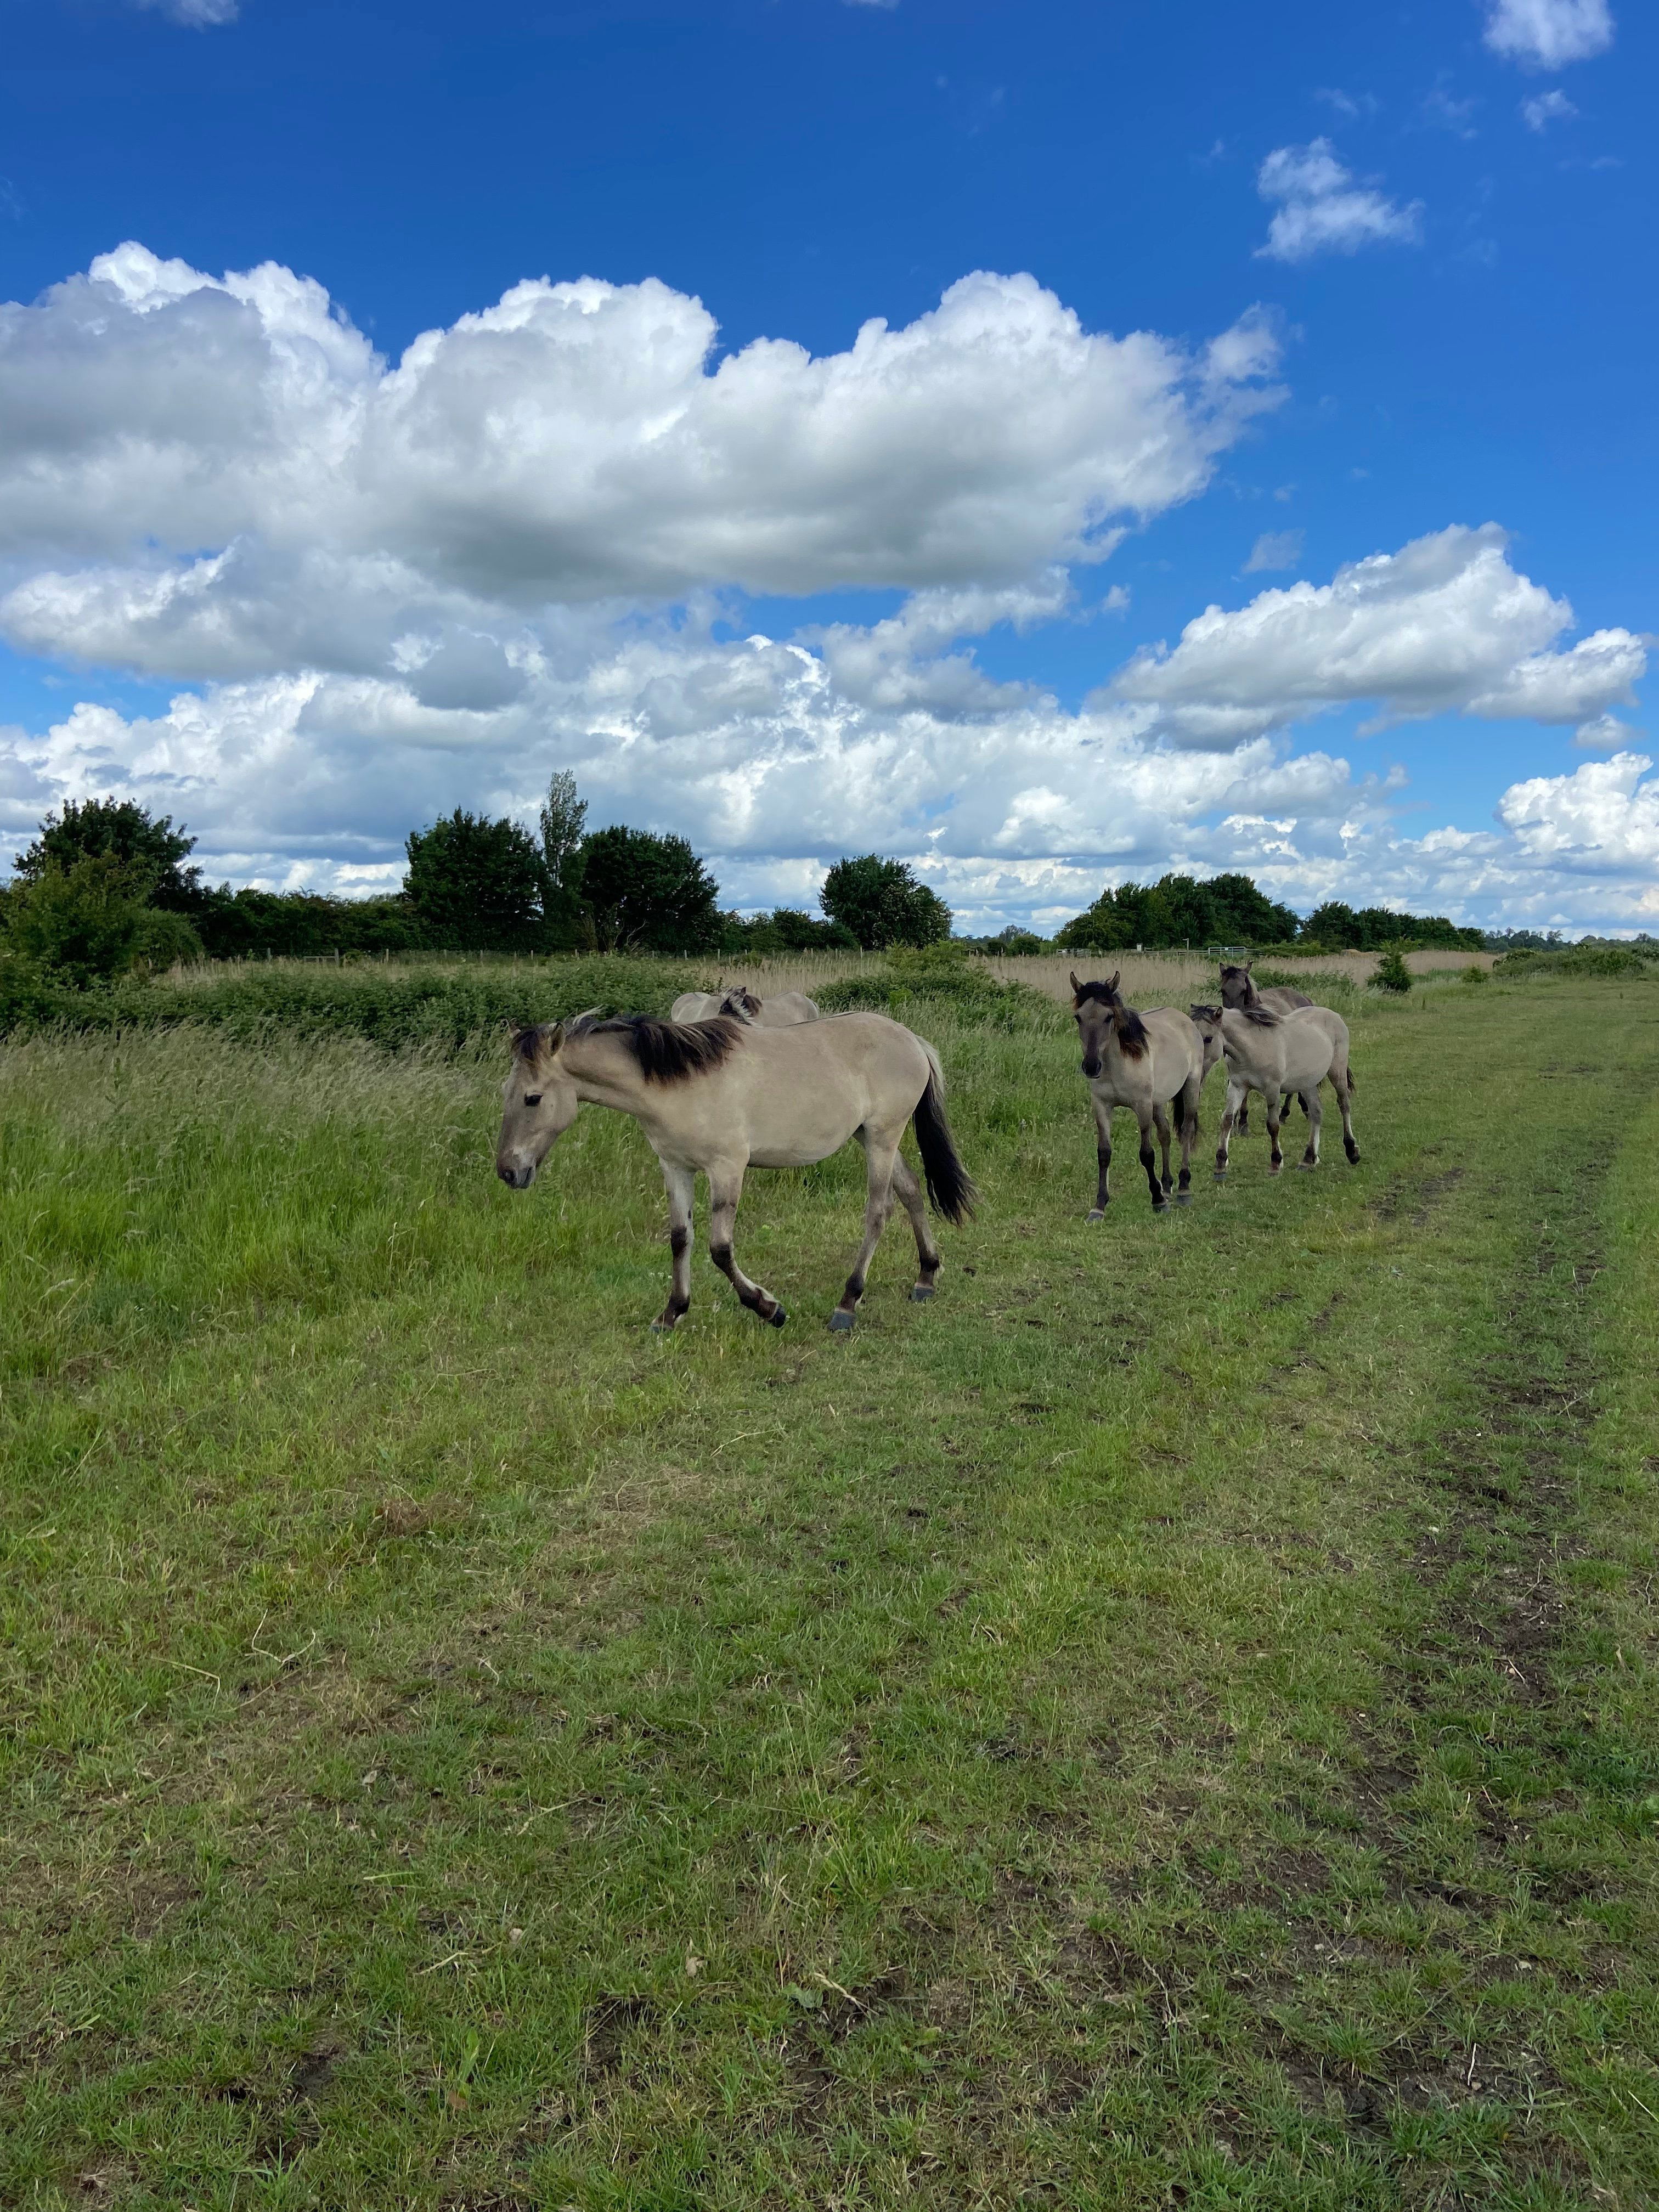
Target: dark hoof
(1097, 1214)
(1352, 1152)
(921, 1293)
(839, 1322)
(1183, 1198)
(777, 1317)
(1160, 1205)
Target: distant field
(1173, 1722)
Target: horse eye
(532, 1098)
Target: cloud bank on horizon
(525, 545)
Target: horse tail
(949, 1186)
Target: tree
(884, 902)
(647, 894)
(476, 885)
(1392, 974)
(150, 850)
(84, 922)
(561, 818)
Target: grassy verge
(1173, 1722)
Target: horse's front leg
(725, 1190)
(1161, 1123)
(1149, 1157)
(1344, 1089)
(1237, 1093)
(1274, 1101)
(879, 1156)
(908, 1190)
(1104, 1157)
(682, 1186)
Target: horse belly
(814, 1127)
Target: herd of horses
(730, 1081)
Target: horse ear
(1249, 964)
(1077, 988)
(1116, 974)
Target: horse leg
(1236, 1097)
(681, 1184)
(1188, 1139)
(1315, 1113)
(908, 1190)
(1103, 1154)
(725, 1190)
(1344, 1090)
(1273, 1100)
(880, 1155)
(1161, 1122)
(1149, 1157)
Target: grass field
(1173, 1722)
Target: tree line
(107, 887)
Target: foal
(1142, 1062)
(1278, 1054)
(720, 1097)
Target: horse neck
(604, 1071)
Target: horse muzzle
(1091, 1068)
(514, 1175)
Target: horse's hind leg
(1344, 1090)
(725, 1190)
(1188, 1098)
(1161, 1122)
(1315, 1114)
(879, 1158)
(1149, 1158)
(1236, 1094)
(681, 1184)
(908, 1190)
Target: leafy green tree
(884, 902)
(151, 851)
(477, 885)
(1392, 973)
(643, 893)
(1334, 924)
(82, 923)
(562, 819)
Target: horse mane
(667, 1051)
(1102, 993)
(1263, 1017)
(740, 1001)
(1131, 1031)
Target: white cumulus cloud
(1324, 208)
(1549, 34)
(1443, 626)
(1547, 107)
(1274, 548)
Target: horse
(721, 1097)
(1277, 1055)
(781, 1012)
(1142, 1062)
(1239, 989)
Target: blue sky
(1459, 321)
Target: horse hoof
(777, 1317)
(1221, 1175)
(1183, 1198)
(1353, 1155)
(1160, 1205)
(662, 1328)
(921, 1293)
(1306, 1166)
(839, 1322)
(1097, 1214)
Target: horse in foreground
(1279, 1055)
(1142, 1062)
(781, 1011)
(720, 1097)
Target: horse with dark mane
(1143, 1061)
(721, 1097)
(1279, 1055)
(781, 1011)
(1240, 991)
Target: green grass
(1171, 1722)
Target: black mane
(1263, 1017)
(1131, 1031)
(740, 1000)
(667, 1051)
(1102, 993)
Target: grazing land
(1173, 1722)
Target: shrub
(165, 940)
(648, 894)
(1391, 973)
(81, 924)
(1474, 973)
(152, 851)
(908, 981)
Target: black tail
(949, 1186)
